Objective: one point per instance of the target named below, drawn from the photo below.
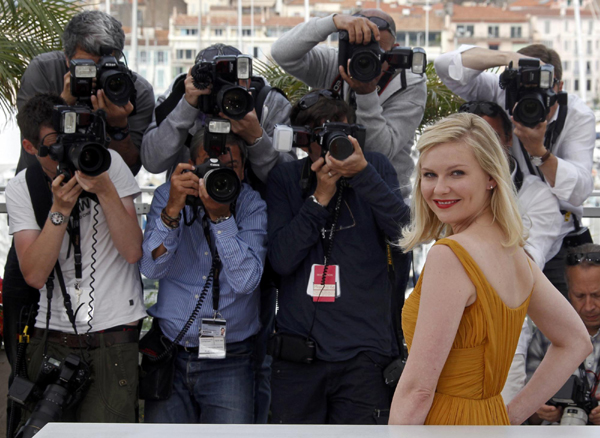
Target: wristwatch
(56, 217)
(220, 219)
(538, 161)
(118, 134)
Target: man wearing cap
(164, 144)
(392, 112)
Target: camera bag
(158, 365)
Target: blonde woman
(463, 320)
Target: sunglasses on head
(490, 109)
(380, 23)
(311, 98)
(590, 257)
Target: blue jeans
(219, 391)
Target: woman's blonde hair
(476, 133)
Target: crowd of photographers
(243, 226)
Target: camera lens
(117, 86)
(365, 65)
(91, 158)
(339, 145)
(222, 185)
(530, 110)
(235, 102)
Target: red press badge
(324, 292)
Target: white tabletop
(93, 430)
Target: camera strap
(555, 128)
(337, 88)
(216, 290)
(74, 231)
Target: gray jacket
(391, 118)
(163, 147)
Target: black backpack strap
(261, 91)
(164, 109)
(39, 191)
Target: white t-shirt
(114, 295)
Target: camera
(332, 137)
(80, 143)
(223, 73)
(58, 386)
(222, 183)
(576, 401)
(110, 75)
(529, 88)
(292, 348)
(366, 60)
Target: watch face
(57, 218)
(536, 161)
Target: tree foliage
(28, 28)
(441, 102)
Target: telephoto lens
(222, 183)
(530, 110)
(234, 101)
(364, 65)
(90, 158)
(117, 86)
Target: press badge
(328, 292)
(211, 344)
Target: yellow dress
(469, 387)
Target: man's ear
(29, 147)
(67, 61)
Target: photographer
(583, 279)
(332, 344)
(178, 116)
(97, 244)
(391, 111)
(561, 157)
(230, 239)
(83, 38)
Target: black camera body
(222, 183)
(58, 386)
(332, 137)
(576, 401)
(81, 141)
(223, 74)
(366, 60)
(292, 348)
(110, 75)
(529, 92)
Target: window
(493, 31)
(494, 46)
(178, 70)
(589, 47)
(588, 67)
(465, 30)
(566, 25)
(189, 54)
(143, 73)
(187, 32)
(218, 32)
(143, 57)
(566, 65)
(515, 31)
(588, 85)
(576, 85)
(179, 54)
(160, 57)
(246, 32)
(547, 26)
(566, 46)
(160, 78)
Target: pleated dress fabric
(469, 387)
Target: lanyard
(75, 238)
(216, 290)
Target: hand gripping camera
(332, 137)
(223, 74)
(530, 88)
(576, 401)
(81, 141)
(59, 385)
(222, 183)
(366, 60)
(110, 75)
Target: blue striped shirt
(183, 269)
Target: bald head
(380, 14)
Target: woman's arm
(559, 322)
(445, 291)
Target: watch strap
(546, 156)
(118, 134)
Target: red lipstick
(445, 203)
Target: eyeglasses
(590, 257)
(313, 97)
(381, 24)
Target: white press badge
(212, 339)
(330, 290)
